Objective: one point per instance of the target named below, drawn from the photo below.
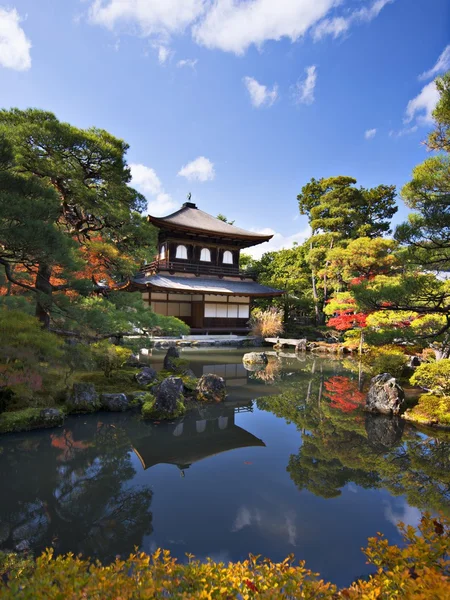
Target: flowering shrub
(420, 569)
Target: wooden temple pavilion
(196, 275)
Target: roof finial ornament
(189, 196)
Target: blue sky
(239, 102)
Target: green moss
(431, 409)
(26, 420)
(150, 411)
(190, 383)
(179, 365)
(120, 382)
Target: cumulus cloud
(370, 133)
(421, 107)
(14, 44)
(260, 95)
(187, 62)
(442, 64)
(278, 241)
(339, 25)
(304, 89)
(148, 183)
(200, 169)
(229, 25)
(164, 53)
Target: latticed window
(205, 255)
(227, 258)
(181, 252)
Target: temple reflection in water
(202, 433)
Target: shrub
(267, 323)
(148, 405)
(431, 409)
(109, 357)
(433, 376)
(417, 569)
(386, 359)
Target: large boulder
(255, 358)
(83, 398)
(385, 395)
(384, 431)
(301, 345)
(115, 402)
(170, 359)
(167, 401)
(211, 388)
(146, 376)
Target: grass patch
(120, 382)
(26, 420)
(431, 409)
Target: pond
(288, 465)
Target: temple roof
(200, 285)
(192, 219)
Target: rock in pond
(52, 417)
(385, 395)
(301, 345)
(146, 376)
(83, 399)
(23, 546)
(255, 358)
(115, 402)
(167, 402)
(384, 431)
(170, 358)
(211, 388)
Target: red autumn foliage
(68, 445)
(344, 394)
(347, 319)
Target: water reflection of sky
(216, 483)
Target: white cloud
(442, 64)
(161, 205)
(200, 169)
(421, 107)
(14, 44)
(260, 95)
(278, 241)
(187, 62)
(339, 25)
(164, 53)
(370, 133)
(304, 90)
(145, 179)
(402, 513)
(148, 183)
(404, 131)
(147, 17)
(229, 25)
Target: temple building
(196, 275)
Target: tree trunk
(44, 298)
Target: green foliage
(419, 568)
(25, 347)
(150, 409)
(385, 359)
(433, 376)
(148, 405)
(431, 409)
(109, 357)
(121, 381)
(25, 420)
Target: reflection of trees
(341, 445)
(72, 491)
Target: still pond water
(288, 464)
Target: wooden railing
(196, 268)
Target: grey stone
(385, 395)
(23, 546)
(255, 358)
(414, 361)
(169, 396)
(301, 346)
(384, 431)
(145, 376)
(115, 402)
(84, 398)
(52, 417)
(171, 355)
(211, 388)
